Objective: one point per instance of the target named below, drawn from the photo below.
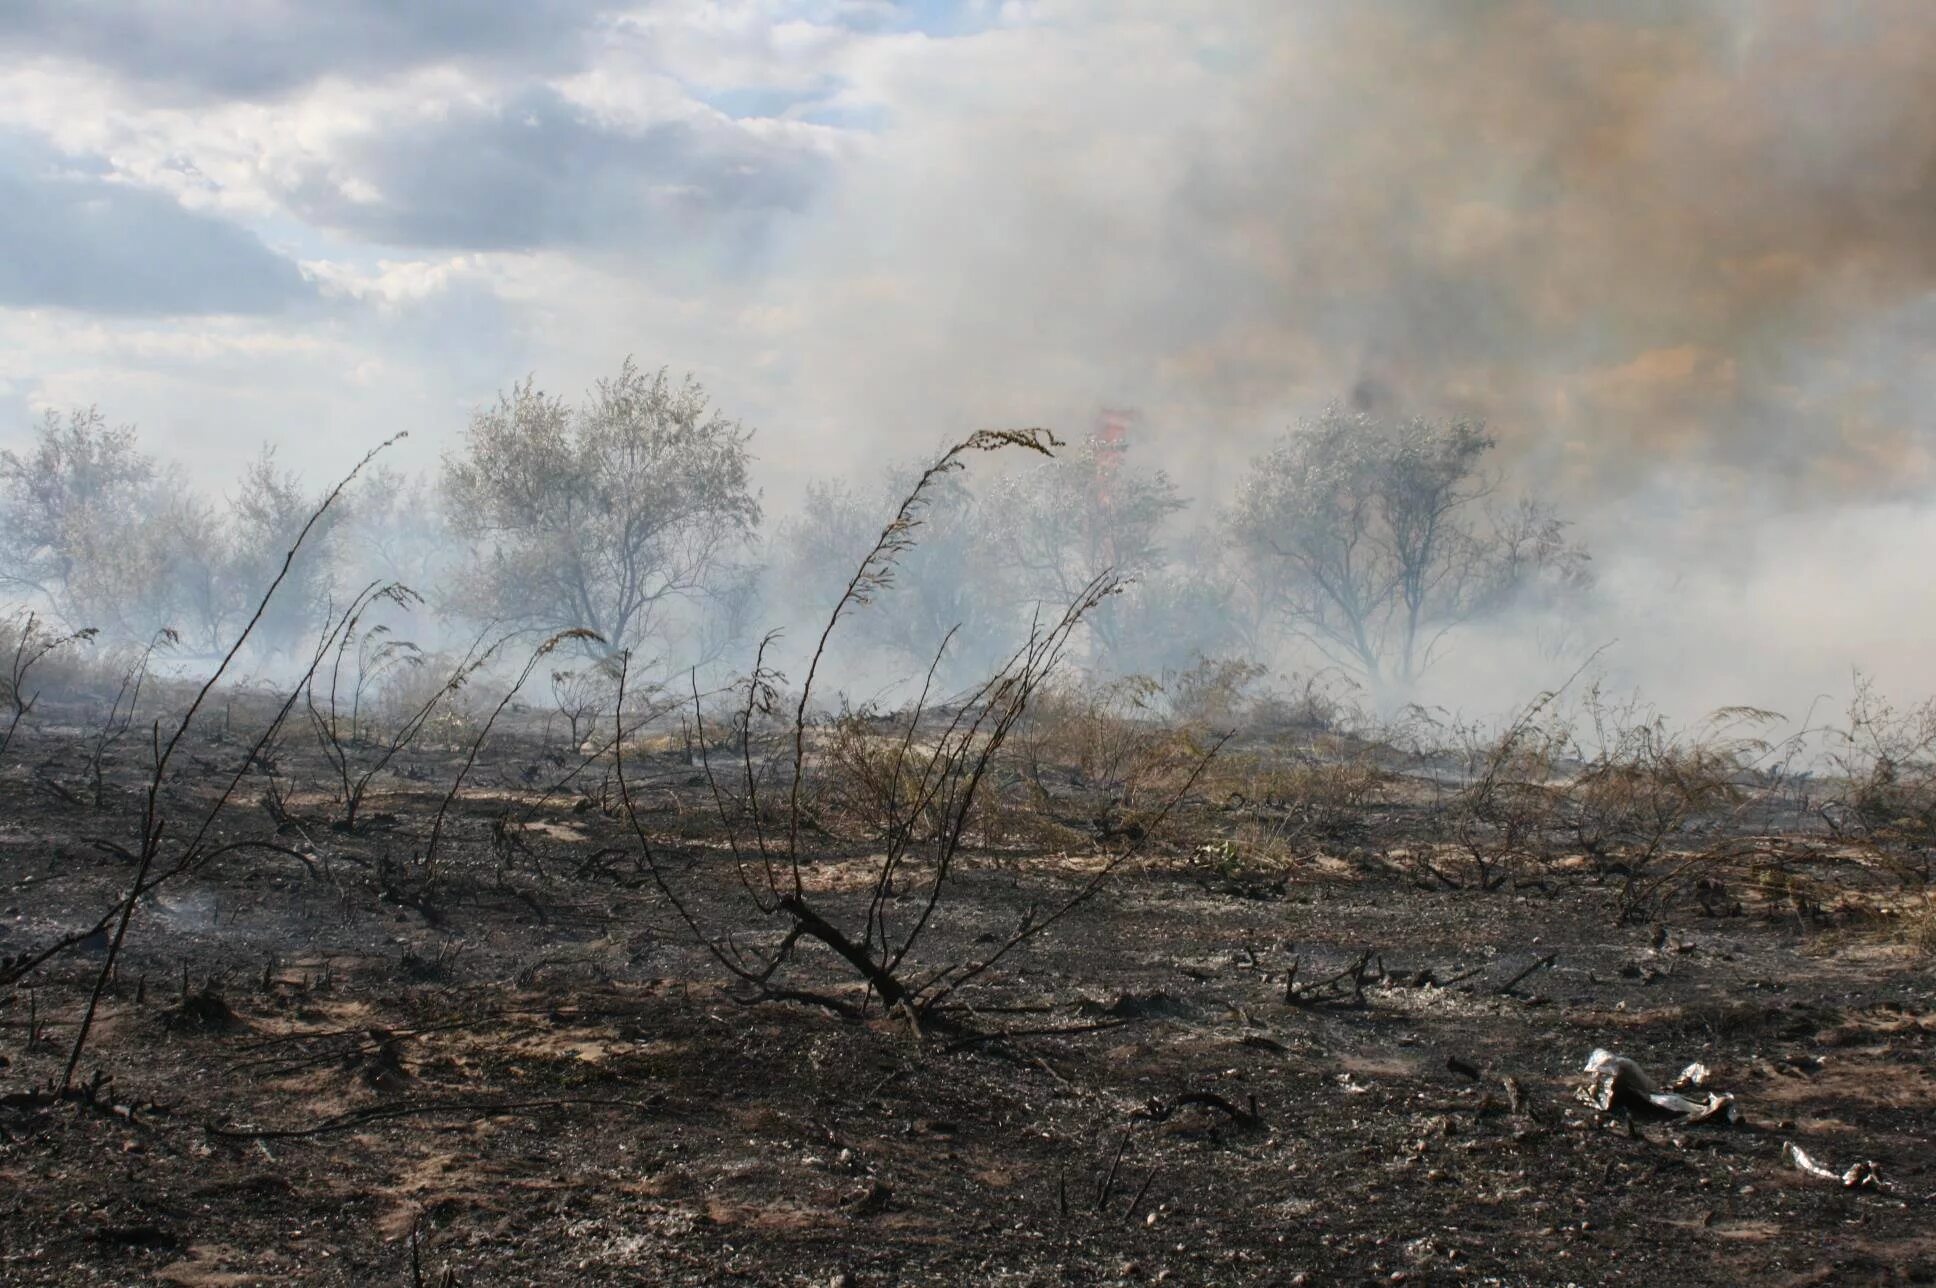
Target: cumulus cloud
(77, 240)
(263, 48)
(535, 170)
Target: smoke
(1679, 254)
(1635, 246)
(1681, 257)
(1637, 239)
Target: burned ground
(529, 1072)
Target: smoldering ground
(441, 988)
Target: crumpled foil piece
(1861, 1176)
(1618, 1082)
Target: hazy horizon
(1680, 257)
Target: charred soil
(1328, 1068)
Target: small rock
(870, 1201)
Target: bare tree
(581, 694)
(396, 532)
(1368, 539)
(180, 578)
(1060, 521)
(268, 508)
(603, 516)
(946, 586)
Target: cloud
(80, 241)
(265, 48)
(535, 170)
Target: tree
(1367, 538)
(266, 512)
(108, 538)
(940, 586)
(1062, 521)
(395, 532)
(1170, 620)
(92, 526)
(990, 559)
(177, 575)
(1545, 576)
(83, 483)
(602, 516)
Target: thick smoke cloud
(1681, 257)
(1635, 238)
(1638, 239)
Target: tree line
(631, 513)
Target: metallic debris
(1618, 1082)
(1861, 1176)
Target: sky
(1680, 254)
